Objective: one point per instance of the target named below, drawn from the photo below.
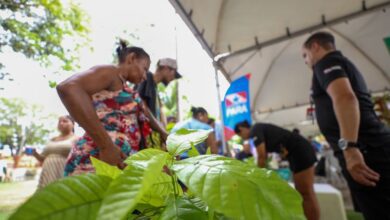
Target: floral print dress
(122, 116)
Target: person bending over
(297, 150)
(113, 115)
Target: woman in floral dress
(112, 114)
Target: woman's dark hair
(196, 111)
(211, 121)
(242, 124)
(123, 50)
(70, 119)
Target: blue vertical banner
(236, 105)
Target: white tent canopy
(264, 38)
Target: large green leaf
(183, 208)
(238, 190)
(193, 152)
(181, 140)
(76, 197)
(105, 169)
(160, 191)
(146, 212)
(163, 186)
(198, 203)
(144, 156)
(129, 188)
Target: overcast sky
(154, 22)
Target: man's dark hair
(197, 110)
(242, 124)
(324, 39)
(123, 50)
(296, 131)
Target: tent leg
(224, 144)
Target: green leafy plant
(39, 28)
(23, 124)
(216, 187)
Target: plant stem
(174, 182)
(174, 186)
(211, 213)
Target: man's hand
(358, 169)
(113, 156)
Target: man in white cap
(165, 73)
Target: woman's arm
(38, 156)
(154, 124)
(210, 141)
(75, 94)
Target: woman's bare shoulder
(103, 67)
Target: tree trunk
(16, 159)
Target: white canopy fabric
(264, 38)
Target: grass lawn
(14, 194)
(4, 215)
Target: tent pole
(178, 115)
(225, 147)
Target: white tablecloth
(330, 201)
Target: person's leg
(302, 159)
(304, 184)
(352, 185)
(373, 202)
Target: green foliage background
(23, 124)
(46, 31)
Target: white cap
(169, 62)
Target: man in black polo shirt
(299, 152)
(346, 117)
(165, 73)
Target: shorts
(301, 154)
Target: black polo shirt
(148, 92)
(334, 65)
(273, 136)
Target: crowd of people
(120, 120)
